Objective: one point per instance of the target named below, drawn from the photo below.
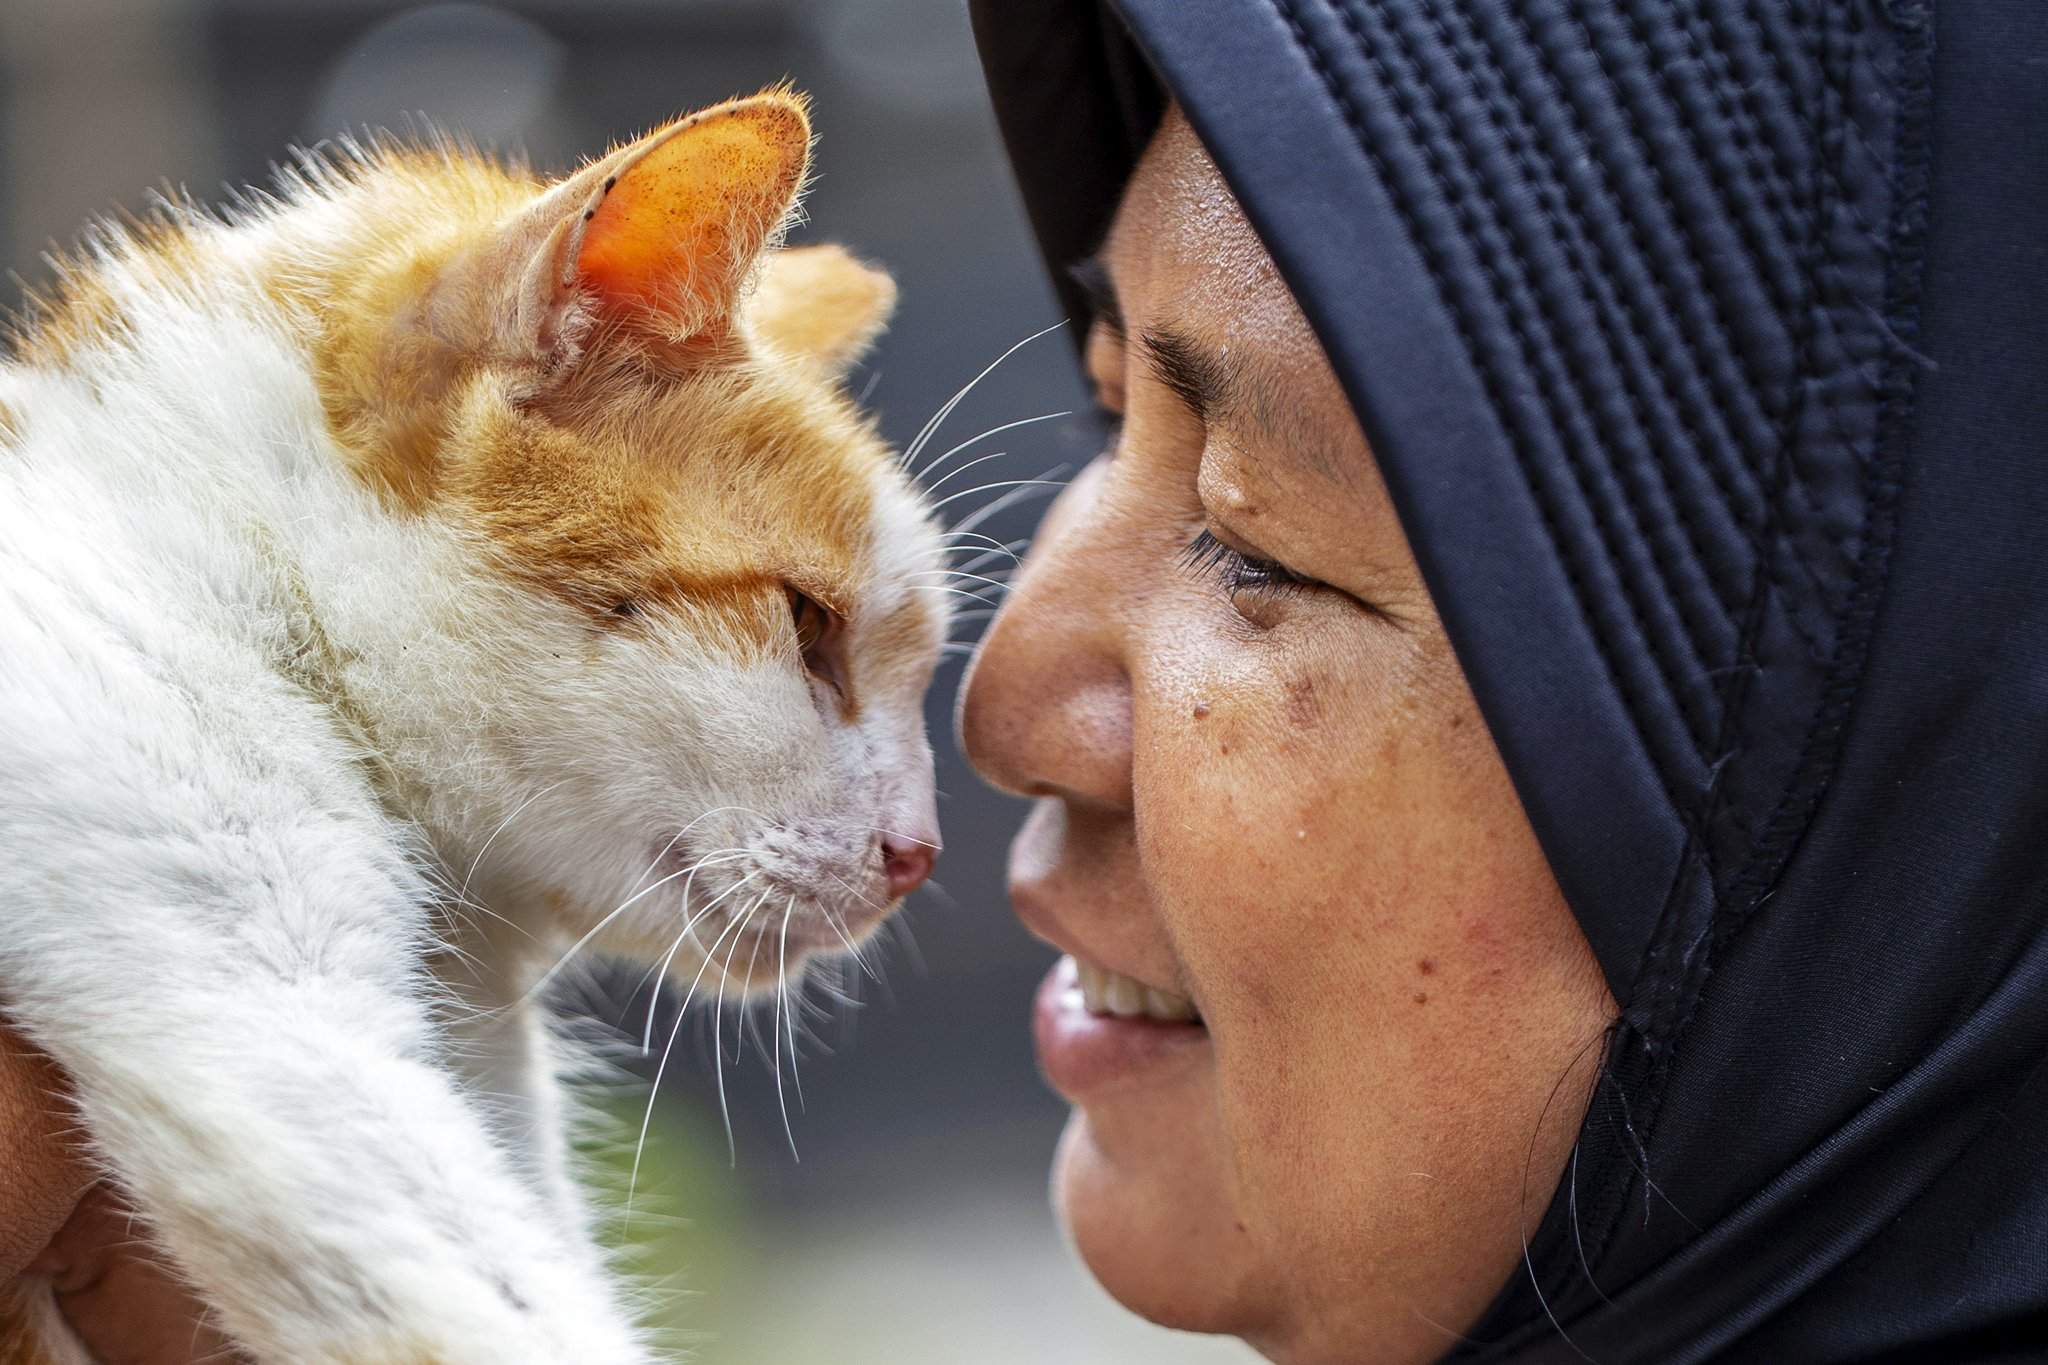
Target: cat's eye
(819, 642)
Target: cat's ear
(656, 241)
(818, 303)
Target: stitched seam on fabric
(1751, 212)
(1717, 398)
(1827, 84)
(1842, 200)
(1355, 120)
(1757, 527)
(1759, 382)
(1752, 131)
(1812, 254)
(1798, 321)
(1886, 475)
(1840, 126)
(1817, 250)
(1847, 201)
(1794, 314)
(1555, 197)
(1515, 138)
(1536, 348)
(1807, 309)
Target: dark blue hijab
(1704, 347)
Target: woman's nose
(1047, 706)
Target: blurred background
(914, 1226)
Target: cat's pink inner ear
(671, 232)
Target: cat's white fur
(258, 735)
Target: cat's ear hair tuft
(817, 303)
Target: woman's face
(1265, 794)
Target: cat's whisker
(970, 577)
(838, 926)
(984, 558)
(932, 488)
(1010, 499)
(668, 1049)
(813, 1014)
(775, 1038)
(796, 1079)
(940, 462)
(1000, 483)
(708, 860)
(477, 861)
(718, 1027)
(955, 592)
(982, 537)
(689, 927)
(701, 818)
(937, 419)
(740, 1042)
(988, 556)
(906, 838)
(835, 991)
(547, 977)
(962, 572)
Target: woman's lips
(1084, 1052)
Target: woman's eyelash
(1208, 557)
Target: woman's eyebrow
(1198, 378)
(1213, 389)
(1239, 392)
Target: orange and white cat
(399, 583)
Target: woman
(1695, 356)
(1544, 675)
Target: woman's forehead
(1185, 264)
(1180, 239)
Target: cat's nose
(906, 862)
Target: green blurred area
(956, 1274)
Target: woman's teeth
(1105, 992)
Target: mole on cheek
(1427, 967)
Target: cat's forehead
(707, 498)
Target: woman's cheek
(1256, 791)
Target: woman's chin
(1153, 1221)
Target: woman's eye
(1208, 557)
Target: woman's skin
(1279, 799)
(58, 1223)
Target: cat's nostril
(906, 864)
